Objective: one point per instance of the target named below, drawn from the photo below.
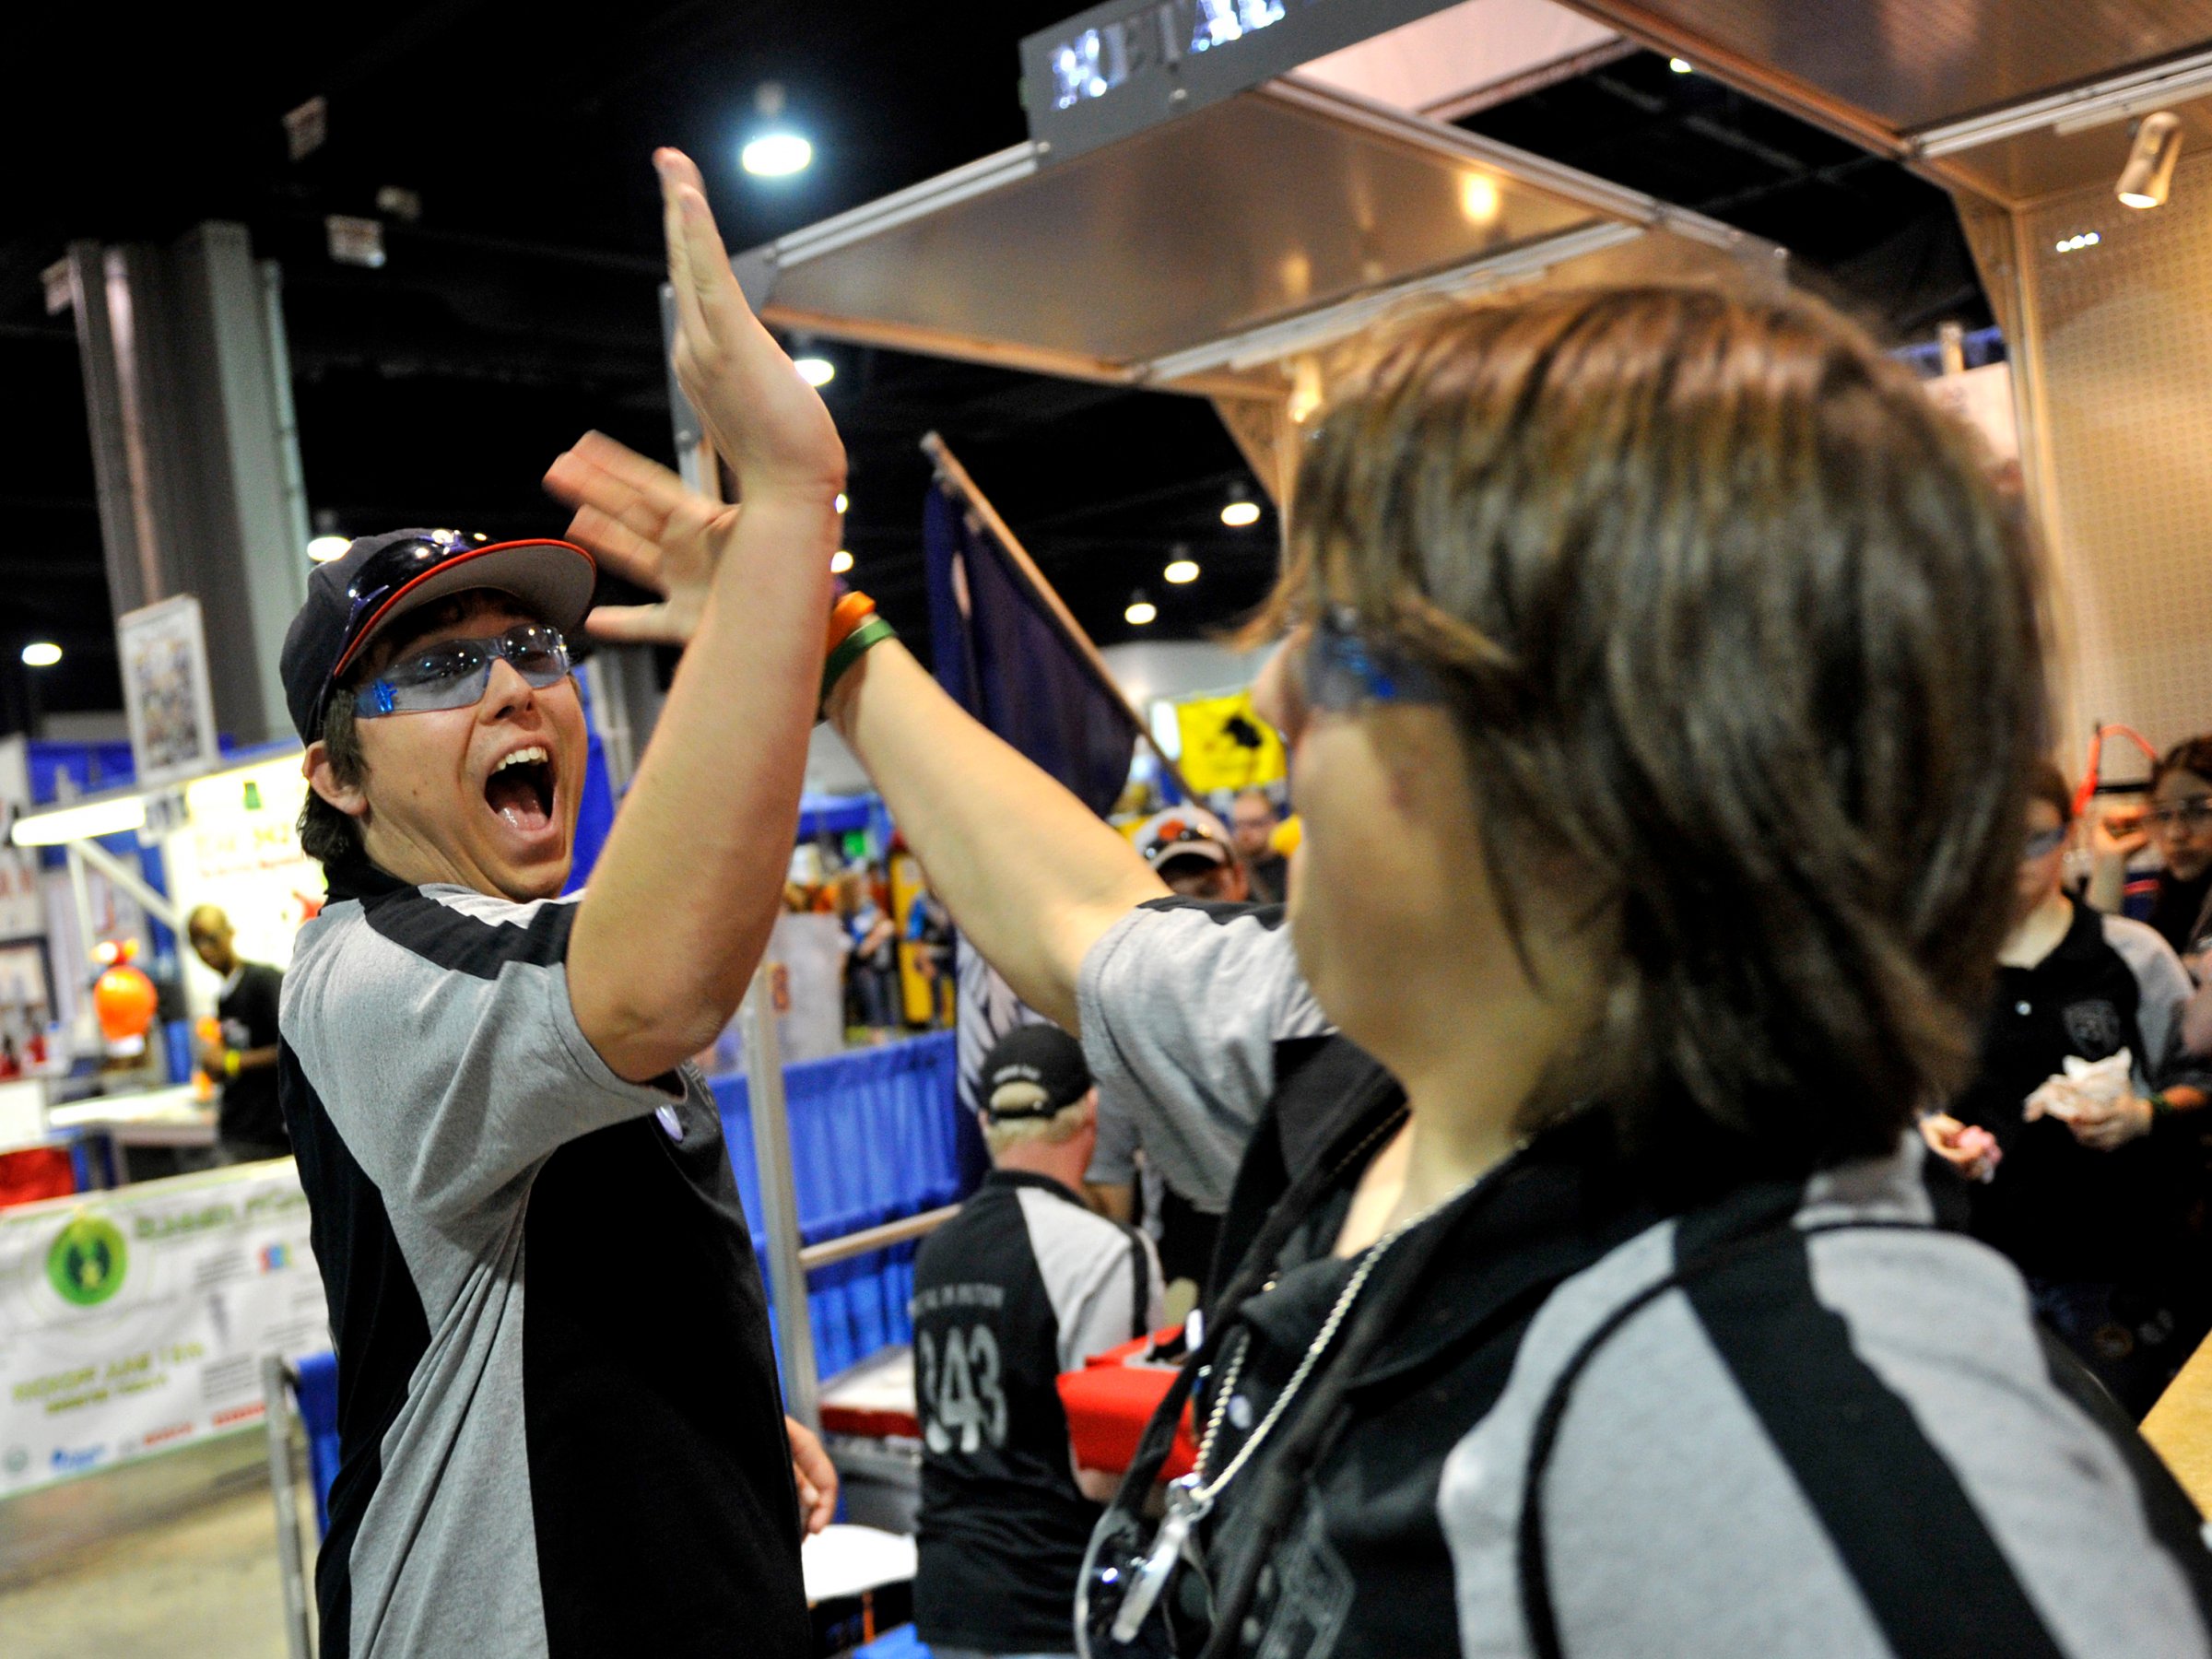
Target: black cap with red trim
(380, 577)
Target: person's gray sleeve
(1676, 1522)
(436, 1029)
(1181, 1005)
(1114, 1160)
(2163, 994)
(1090, 1276)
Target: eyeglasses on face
(451, 674)
(2195, 814)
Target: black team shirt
(249, 1111)
(1026, 1282)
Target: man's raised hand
(647, 525)
(768, 423)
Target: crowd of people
(1594, 1263)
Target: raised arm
(684, 895)
(1030, 873)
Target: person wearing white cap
(1189, 849)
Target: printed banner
(136, 1320)
(1226, 744)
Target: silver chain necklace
(1192, 1497)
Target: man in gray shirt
(559, 1424)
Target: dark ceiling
(520, 310)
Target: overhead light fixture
(1141, 610)
(840, 500)
(2074, 244)
(1681, 66)
(777, 152)
(42, 654)
(79, 823)
(2149, 175)
(1180, 571)
(840, 562)
(815, 371)
(1478, 198)
(1240, 510)
(324, 549)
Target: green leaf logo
(87, 1261)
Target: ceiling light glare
(2148, 174)
(1140, 612)
(1240, 510)
(324, 549)
(42, 654)
(840, 500)
(776, 155)
(2074, 244)
(1681, 66)
(1478, 198)
(1181, 571)
(816, 370)
(840, 562)
(64, 824)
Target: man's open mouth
(521, 789)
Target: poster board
(136, 1320)
(238, 847)
(162, 650)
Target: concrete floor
(173, 1556)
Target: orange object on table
(1113, 1396)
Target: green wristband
(874, 631)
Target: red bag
(1113, 1396)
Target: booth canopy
(1205, 254)
(2013, 99)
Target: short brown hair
(2191, 755)
(2047, 783)
(1726, 611)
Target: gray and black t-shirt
(561, 1429)
(1023, 1284)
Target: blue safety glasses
(451, 674)
(1341, 670)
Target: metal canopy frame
(2008, 102)
(964, 267)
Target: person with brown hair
(1578, 1293)
(2179, 822)
(2078, 1133)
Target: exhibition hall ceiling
(515, 306)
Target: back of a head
(1733, 621)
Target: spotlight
(777, 152)
(1240, 509)
(324, 549)
(840, 562)
(1681, 66)
(1478, 198)
(2148, 174)
(776, 155)
(816, 370)
(1180, 571)
(1141, 610)
(840, 500)
(42, 654)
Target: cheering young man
(559, 1413)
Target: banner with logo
(136, 1320)
(1226, 744)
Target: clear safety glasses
(453, 673)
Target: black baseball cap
(380, 577)
(1044, 1055)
